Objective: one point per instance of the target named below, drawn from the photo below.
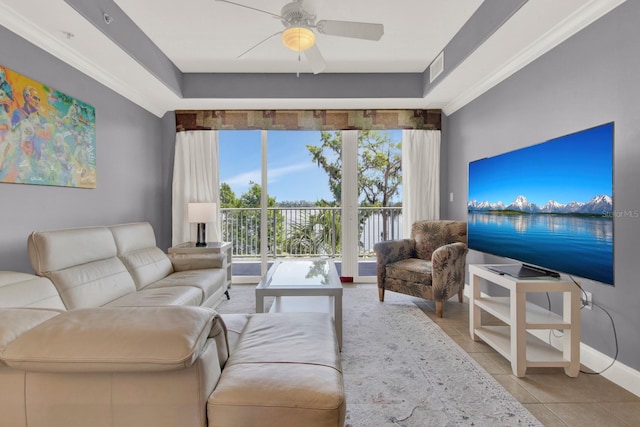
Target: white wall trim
(586, 15)
(619, 373)
(22, 26)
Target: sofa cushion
(147, 265)
(93, 284)
(177, 295)
(285, 370)
(26, 290)
(411, 270)
(136, 247)
(114, 340)
(82, 263)
(235, 324)
(207, 280)
(59, 249)
(16, 321)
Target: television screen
(549, 205)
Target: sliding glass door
(308, 194)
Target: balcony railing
(306, 231)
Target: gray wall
(130, 184)
(167, 153)
(590, 79)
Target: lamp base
(202, 235)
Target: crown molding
(569, 26)
(20, 25)
(159, 104)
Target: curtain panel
(187, 120)
(195, 179)
(420, 177)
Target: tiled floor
(551, 396)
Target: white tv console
(515, 341)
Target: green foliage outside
(244, 224)
(379, 168)
(317, 231)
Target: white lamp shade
(201, 212)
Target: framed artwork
(46, 136)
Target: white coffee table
(309, 285)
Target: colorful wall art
(46, 136)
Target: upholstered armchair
(430, 264)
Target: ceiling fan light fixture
(298, 39)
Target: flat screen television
(549, 206)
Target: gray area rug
(401, 369)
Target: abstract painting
(46, 136)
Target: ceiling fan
(299, 36)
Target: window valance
(306, 119)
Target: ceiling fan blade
(258, 44)
(315, 59)
(275, 15)
(358, 30)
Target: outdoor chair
(430, 264)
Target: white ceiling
(211, 40)
(206, 36)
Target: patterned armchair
(430, 265)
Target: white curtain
(420, 177)
(195, 179)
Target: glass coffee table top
(301, 273)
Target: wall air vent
(437, 67)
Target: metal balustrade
(306, 231)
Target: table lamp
(201, 214)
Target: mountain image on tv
(598, 205)
(549, 205)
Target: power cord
(584, 304)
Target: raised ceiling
(155, 52)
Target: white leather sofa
(116, 366)
(107, 346)
(121, 265)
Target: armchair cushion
(138, 339)
(430, 235)
(413, 270)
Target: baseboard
(619, 373)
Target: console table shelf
(515, 340)
(536, 317)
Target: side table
(210, 248)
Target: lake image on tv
(549, 204)
(580, 245)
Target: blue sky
(574, 167)
(292, 175)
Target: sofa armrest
(184, 262)
(448, 270)
(122, 339)
(16, 321)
